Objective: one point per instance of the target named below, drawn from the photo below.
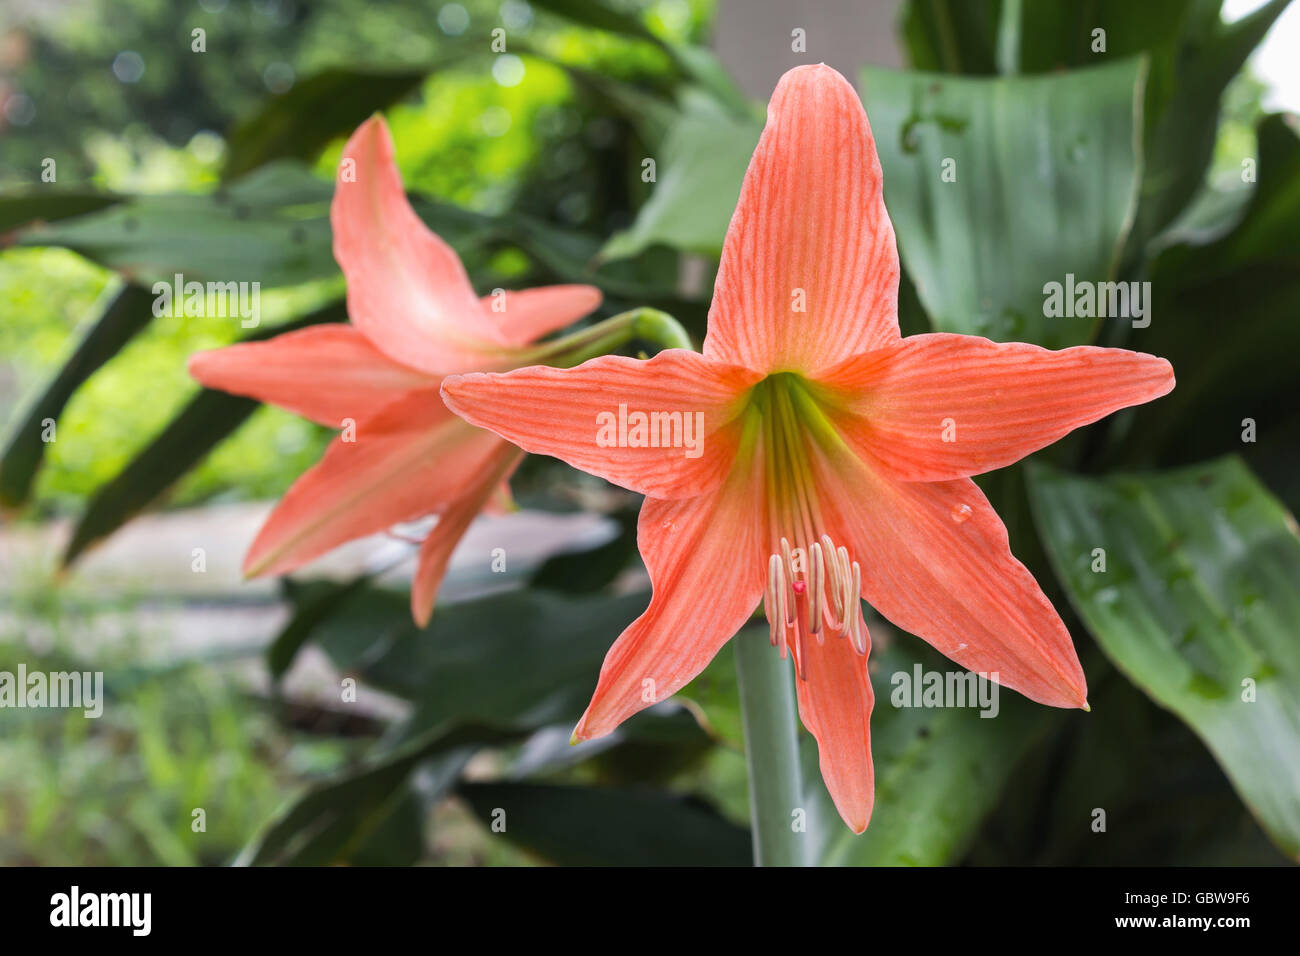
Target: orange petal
(327, 373)
(707, 571)
(936, 562)
(412, 458)
(810, 231)
(938, 407)
(517, 318)
(407, 289)
(437, 548)
(578, 415)
(835, 701)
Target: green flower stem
(644, 324)
(767, 710)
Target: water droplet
(1108, 595)
(960, 513)
(910, 138)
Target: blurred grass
(174, 736)
(121, 789)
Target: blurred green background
(226, 697)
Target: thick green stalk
(767, 709)
(646, 324)
(1008, 42)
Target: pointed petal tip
(811, 78)
(582, 733)
(255, 564)
(453, 389)
(198, 362)
(591, 294)
(1156, 370)
(593, 725)
(817, 155)
(857, 818)
(813, 72)
(1072, 694)
(407, 289)
(372, 125)
(1169, 376)
(420, 614)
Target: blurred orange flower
(414, 318)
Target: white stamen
(776, 599)
(789, 580)
(831, 586)
(816, 589)
(859, 634)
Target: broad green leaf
(312, 602)
(695, 62)
(271, 227)
(708, 73)
(698, 173)
(951, 36)
(939, 770)
(1198, 605)
(1193, 57)
(601, 16)
(370, 815)
(1182, 114)
(579, 572)
(598, 826)
(574, 256)
(715, 696)
(300, 123)
(1046, 183)
(486, 672)
(515, 662)
(1192, 54)
(47, 204)
(123, 311)
(976, 37)
(1163, 794)
(1267, 234)
(208, 419)
(518, 660)
(652, 746)
(1226, 318)
(1060, 34)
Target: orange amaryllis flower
(835, 459)
(415, 318)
